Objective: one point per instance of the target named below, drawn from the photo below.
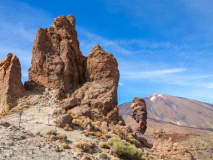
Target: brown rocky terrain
(79, 117)
(11, 86)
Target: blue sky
(163, 47)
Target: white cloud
(121, 84)
(151, 74)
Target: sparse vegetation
(124, 149)
(104, 145)
(67, 127)
(62, 137)
(38, 133)
(53, 138)
(69, 112)
(104, 155)
(84, 147)
(78, 123)
(49, 132)
(65, 146)
(132, 140)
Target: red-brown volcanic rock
(57, 61)
(89, 82)
(97, 98)
(11, 86)
(139, 113)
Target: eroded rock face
(139, 113)
(57, 61)
(165, 147)
(90, 83)
(11, 86)
(98, 96)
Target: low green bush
(124, 149)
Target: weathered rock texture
(97, 98)
(11, 86)
(64, 120)
(57, 61)
(164, 147)
(89, 82)
(139, 113)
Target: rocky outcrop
(164, 147)
(57, 61)
(97, 98)
(139, 113)
(11, 86)
(89, 83)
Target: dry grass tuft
(84, 147)
(78, 123)
(104, 145)
(38, 133)
(65, 146)
(62, 137)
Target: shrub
(67, 127)
(83, 118)
(49, 132)
(96, 128)
(132, 140)
(75, 117)
(98, 134)
(104, 131)
(69, 112)
(84, 146)
(77, 122)
(98, 123)
(53, 137)
(38, 133)
(104, 145)
(65, 146)
(92, 133)
(62, 137)
(104, 155)
(124, 149)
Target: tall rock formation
(57, 61)
(97, 98)
(139, 113)
(11, 86)
(89, 82)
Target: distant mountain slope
(175, 110)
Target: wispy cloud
(121, 84)
(151, 74)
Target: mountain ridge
(177, 110)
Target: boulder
(11, 86)
(139, 113)
(64, 119)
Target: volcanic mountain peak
(153, 97)
(176, 110)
